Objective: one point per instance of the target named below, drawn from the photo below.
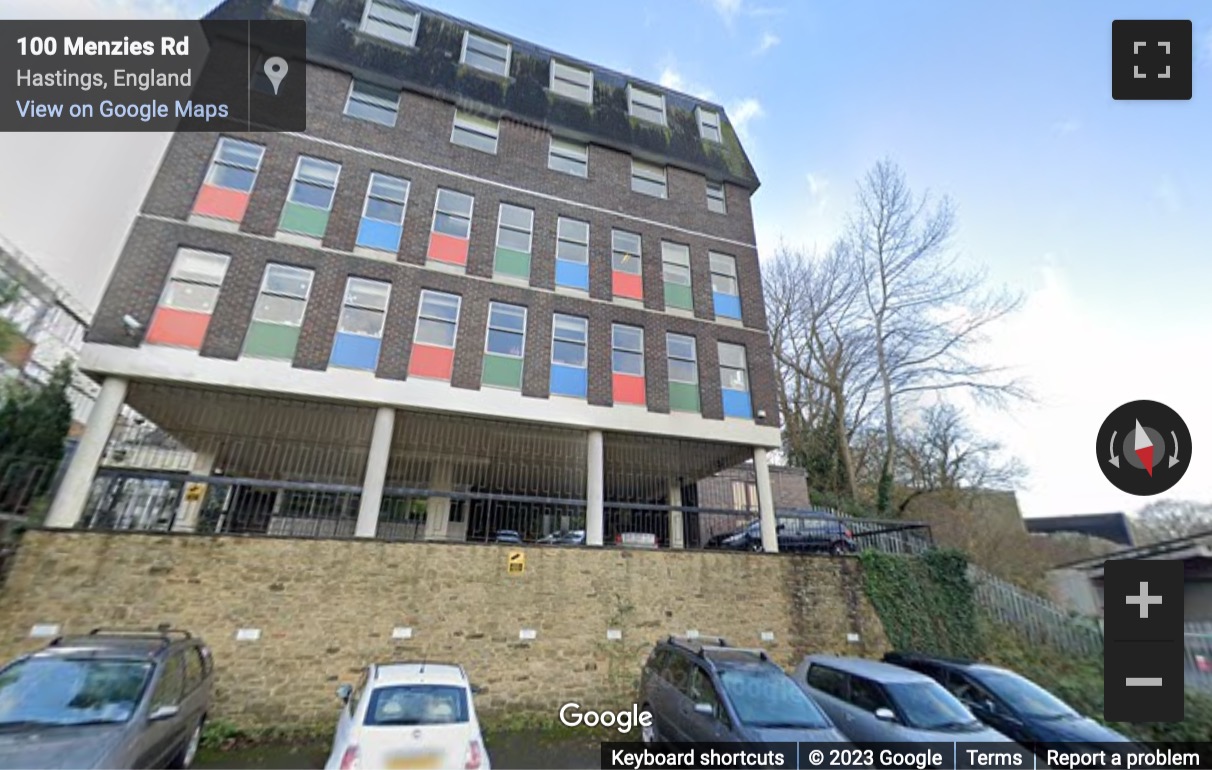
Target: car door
(196, 696)
(158, 738)
(866, 696)
(345, 721)
(831, 691)
(705, 728)
(653, 688)
(675, 699)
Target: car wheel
(648, 733)
(189, 751)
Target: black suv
(1011, 704)
(109, 699)
(707, 691)
(797, 533)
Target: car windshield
(1025, 696)
(71, 691)
(927, 706)
(769, 698)
(417, 704)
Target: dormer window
(646, 105)
(388, 21)
(484, 54)
(709, 125)
(572, 82)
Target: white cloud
(1067, 127)
(105, 9)
(742, 112)
(672, 78)
(769, 40)
(727, 9)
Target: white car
(408, 716)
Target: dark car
(710, 692)
(508, 536)
(797, 533)
(109, 699)
(571, 537)
(1012, 704)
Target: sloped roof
(1108, 526)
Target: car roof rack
(696, 644)
(164, 632)
(751, 650)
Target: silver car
(872, 701)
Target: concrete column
(676, 530)
(186, 519)
(437, 509)
(73, 491)
(770, 535)
(376, 472)
(595, 489)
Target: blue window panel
(571, 274)
(374, 234)
(568, 381)
(355, 351)
(736, 404)
(727, 305)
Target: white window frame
(722, 198)
(501, 225)
(264, 292)
(648, 172)
(370, 185)
(474, 124)
(416, 26)
(345, 302)
(571, 84)
(489, 328)
(570, 151)
(701, 114)
(666, 262)
(301, 7)
(632, 90)
(468, 34)
(294, 180)
(694, 351)
(555, 336)
(172, 277)
(638, 256)
(353, 83)
(744, 365)
(437, 209)
(732, 262)
(454, 341)
(562, 239)
(215, 163)
(615, 348)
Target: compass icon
(1144, 448)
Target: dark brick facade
(422, 136)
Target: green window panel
(512, 263)
(266, 340)
(502, 371)
(304, 220)
(678, 296)
(683, 397)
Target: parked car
(573, 537)
(109, 699)
(707, 691)
(636, 540)
(508, 536)
(872, 701)
(1010, 703)
(417, 715)
(821, 532)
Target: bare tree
(925, 311)
(1171, 519)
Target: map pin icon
(275, 70)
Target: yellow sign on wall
(194, 492)
(517, 563)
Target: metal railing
(1038, 619)
(26, 484)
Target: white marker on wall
(614, 634)
(767, 636)
(401, 632)
(43, 630)
(527, 633)
(248, 634)
(852, 637)
(692, 633)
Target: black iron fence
(26, 484)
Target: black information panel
(153, 75)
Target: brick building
(490, 287)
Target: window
(627, 280)
(679, 673)
(171, 685)
(569, 157)
(451, 227)
(702, 690)
(301, 7)
(382, 223)
(724, 294)
(310, 199)
(434, 340)
(514, 235)
(715, 197)
(417, 704)
(927, 706)
(572, 82)
(360, 327)
(386, 20)
(646, 105)
(709, 124)
(504, 346)
(487, 55)
(734, 381)
(867, 695)
(828, 681)
(675, 271)
(278, 316)
(195, 672)
(767, 696)
(367, 101)
(475, 132)
(572, 253)
(229, 180)
(189, 299)
(627, 363)
(683, 373)
(647, 178)
(569, 345)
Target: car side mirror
(163, 712)
(344, 691)
(885, 715)
(704, 708)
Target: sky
(1095, 210)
